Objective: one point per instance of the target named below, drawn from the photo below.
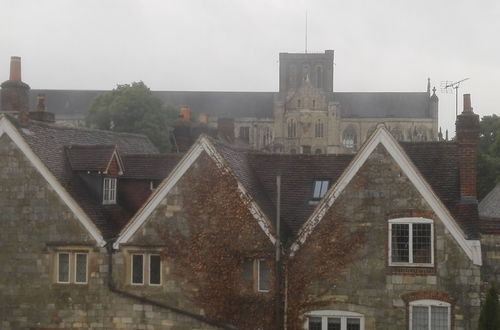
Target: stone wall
(379, 192)
(34, 225)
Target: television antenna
(448, 87)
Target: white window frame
(109, 190)
(69, 267)
(86, 267)
(410, 222)
(72, 267)
(322, 192)
(132, 268)
(343, 315)
(429, 303)
(149, 269)
(258, 275)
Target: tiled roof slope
(436, 161)
(490, 205)
(94, 158)
(74, 104)
(150, 166)
(489, 211)
(48, 142)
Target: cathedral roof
(73, 104)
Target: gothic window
(267, 136)
(349, 138)
(317, 151)
(292, 128)
(305, 71)
(319, 77)
(319, 129)
(397, 133)
(245, 133)
(298, 103)
(306, 149)
(314, 104)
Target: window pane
(333, 323)
(353, 324)
(422, 243)
(324, 188)
(263, 276)
(314, 323)
(81, 268)
(439, 318)
(400, 243)
(137, 269)
(420, 318)
(63, 268)
(154, 269)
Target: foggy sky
(232, 45)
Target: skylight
(320, 188)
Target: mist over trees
(132, 108)
(488, 167)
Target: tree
(489, 318)
(132, 108)
(488, 170)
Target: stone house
(100, 231)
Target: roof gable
(6, 127)
(93, 158)
(203, 144)
(382, 136)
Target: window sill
(411, 270)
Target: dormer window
(320, 188)
(109, 191)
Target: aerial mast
(448, 86)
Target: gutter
(112, 287)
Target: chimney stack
(184, 113)
(467, 126)
(40, 102)
(41, 114)
(15, 93)
(15, 68)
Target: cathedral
(306, 115)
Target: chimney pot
(15, 68)
(40, 102)
(185, 113)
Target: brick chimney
(184, 113)
(226, 128)
(467, 126)
(41, 114)
(15, 93)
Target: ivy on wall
(215, 236)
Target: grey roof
(383, 104)
(489, 207)
(48, 142)
(73, 104)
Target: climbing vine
(215, 236)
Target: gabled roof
(381, 136)
(431, 167)
(489, 207)
(47, 143)
(93, 158)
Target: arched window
(319, 77)
(397, 133)
(267, 136)
(428, 314)
(349, 138)
(292, 128)
(317, 151)
(298, 103)
(328, 319)
(293, 151)
(319, 129)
